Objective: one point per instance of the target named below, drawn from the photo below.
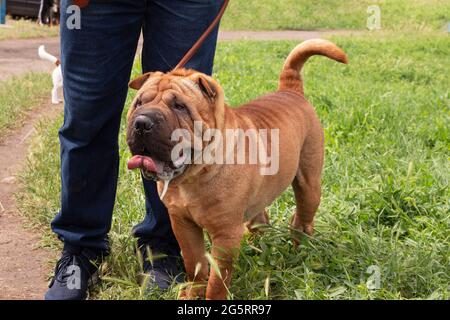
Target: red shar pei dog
(225, 179)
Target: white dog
(56, 74)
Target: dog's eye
(179, 106)
(138, 103)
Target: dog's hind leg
(306, 183)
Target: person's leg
(96, 66)
(170, 30)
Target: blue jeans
(96, 62)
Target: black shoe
(75, 272)
(162, 266)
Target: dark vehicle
(23, 8)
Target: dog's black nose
(143, 123)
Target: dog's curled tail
(44, 55)
(290, 77)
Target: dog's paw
(300, 228)
(183, 295)
(192, 292)
(187, 295)
(257, 223)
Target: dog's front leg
(225, 250)
(192, 244)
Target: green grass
(385, 185)
(335, 14)
(25, 28)
(20, 94)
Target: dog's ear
(139, 81)
(208, 88)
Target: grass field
(335, 14)
(385, 186)
(24, 29)
(20, 94)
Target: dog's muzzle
(150, 153)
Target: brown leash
(202, 38)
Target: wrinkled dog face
(166, 102)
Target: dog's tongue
(144, 162)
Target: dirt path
(23, 268)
